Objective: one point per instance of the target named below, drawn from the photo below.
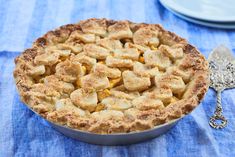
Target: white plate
(205, 23)
(209, 10)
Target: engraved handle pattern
(222, 76)
(218, 115)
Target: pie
(106, 76)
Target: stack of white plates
(212, 13)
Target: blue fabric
(22, 133)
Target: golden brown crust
(46, 78)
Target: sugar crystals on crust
(108, 76)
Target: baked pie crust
(106, 76)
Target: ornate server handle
(218, 114)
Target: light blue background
(22, 133)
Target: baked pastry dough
(108, 76)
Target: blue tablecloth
(22, 133)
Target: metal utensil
(222, 76)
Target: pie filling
(107, 76)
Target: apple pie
(106, 76)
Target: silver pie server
(222, 76)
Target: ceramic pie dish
(111, 79)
